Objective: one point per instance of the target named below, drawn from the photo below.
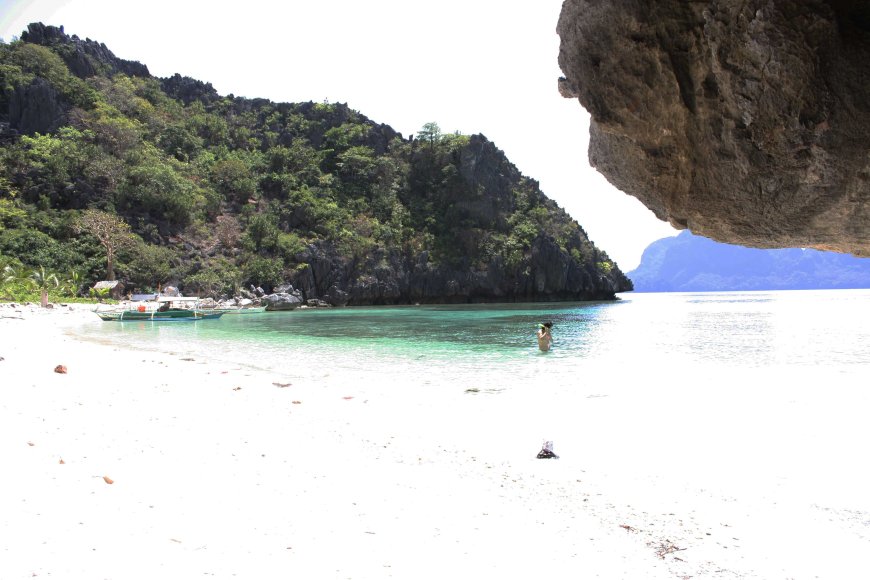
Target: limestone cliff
(744, 121)
(224, 192)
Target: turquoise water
(495, 344)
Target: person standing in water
(545, 336)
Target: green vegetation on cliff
(217, 193)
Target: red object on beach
(108, 479)
(60, 369)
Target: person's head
(547, 325)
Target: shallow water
(495, 344)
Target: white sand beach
(135, 465)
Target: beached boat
(162, 308)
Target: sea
(492, 346)
(738, 416)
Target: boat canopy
(176, 299)
(142, 297)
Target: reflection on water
(730, 336)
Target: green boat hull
(154, 315)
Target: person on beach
(545, 336)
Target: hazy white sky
(474, 66)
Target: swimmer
(545, 336)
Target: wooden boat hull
(155, 316)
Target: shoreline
(227, 472)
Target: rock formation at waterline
(743, 121)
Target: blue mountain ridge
(690, 263)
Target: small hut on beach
(115, 288)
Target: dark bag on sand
(546, 451)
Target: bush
(218, 277)
(264, 272)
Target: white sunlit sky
(473, 66)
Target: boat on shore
(161, 308)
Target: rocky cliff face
(84, 58)
(745, 121)
(37, 107)
(391, 276)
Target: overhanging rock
(746, 121)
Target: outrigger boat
(173, 308)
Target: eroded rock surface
(746, 121)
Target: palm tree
(16, 278)
(43, 281)
(73, 282)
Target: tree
(150, 265)
(43, 281)
(430, 132)
(111, 231)
(233, 178)
(73, 282)
(16, 281)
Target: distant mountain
(689, 263)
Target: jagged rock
(288, 288)
(189, 90)
(337, 297)
(208, 303)
(281, 301)
(744, 121)
(388, 277)
(7, 133)
(84, 58)
(36, 108)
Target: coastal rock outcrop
(389, 277)
(744, 121)
(281, 301)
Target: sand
(143, 465)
